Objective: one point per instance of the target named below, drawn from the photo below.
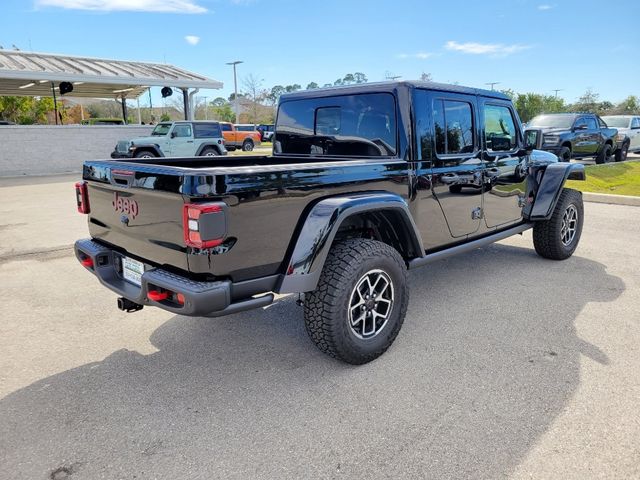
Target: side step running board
(465, 247)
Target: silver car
(628, 127)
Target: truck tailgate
(138, 211)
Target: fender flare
(319, 229)
(149, 146)
(553, 179)
(206, 145)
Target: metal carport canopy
(31, 74)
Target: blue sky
(526, 45)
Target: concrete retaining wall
(49, 149)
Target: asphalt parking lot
(508, 366)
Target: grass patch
(612, 178)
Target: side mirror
(173, 135)
(532, 139)
(580, 127)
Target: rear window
(348, 125)
(245, 128)
(206, 130)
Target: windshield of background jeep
(616, 122)
(552, 121)
(161, 129)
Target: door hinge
(476, 213)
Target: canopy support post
(185, 101)
(55, 103)
(124, 109)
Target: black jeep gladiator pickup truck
(365, 182)
(576, 135)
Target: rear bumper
(211, 299)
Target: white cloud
(495, 49)
(162, 6)
(419, 55)
(192, 39)
(545, 7)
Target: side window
(580, 122)
(500, 133)
(453, 124)
(183, 130)
(226, 127)
(328, 121)
(342, 125)
(206, 130)
(601, 123)
(635, 123)
(591, 123)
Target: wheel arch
(550, 188)
(208, 145)
(331, 218)
(149, 147)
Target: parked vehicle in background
(628, 127)
(235, 138)
(6, 122)
(102, 121)
(356, 192)
(175, 139)
(575, 135)
(266, 131)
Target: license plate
(132, 270)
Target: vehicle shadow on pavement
(487, 359)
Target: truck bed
(265, 196)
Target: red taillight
(204, 225)
(180, 298)
(157, 296)
(82, 197)
(87, 262)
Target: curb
(611, 199)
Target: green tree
(292, 88)
(530, 104)
(275, 93)
(360, 77)
(629, 105)
(165, 117)
(312, 86)
(588, 102)
(219, 102)
(223, 113)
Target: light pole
(235, 86)
(493, 84)
(557, 90)
(206, 108)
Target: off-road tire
(455, 189)
(565, 154)
(622, 152)
(605, 156)
(326, 308)
(145, 154)
(547, 234)
(209, 152)
(247, 146)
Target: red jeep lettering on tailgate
(125, 205)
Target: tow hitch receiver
(128, 306)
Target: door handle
(189, 141)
